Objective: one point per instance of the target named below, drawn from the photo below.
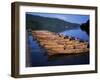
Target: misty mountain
(45, 23)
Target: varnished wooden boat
(59, 44)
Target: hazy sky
(67, 17)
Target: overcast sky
(67, 17)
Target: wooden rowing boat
(59, 44)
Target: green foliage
(85, 27)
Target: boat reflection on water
(73, 59)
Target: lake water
(78, 33)
(38, 56)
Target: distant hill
(45, 23)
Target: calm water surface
(38, 56)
